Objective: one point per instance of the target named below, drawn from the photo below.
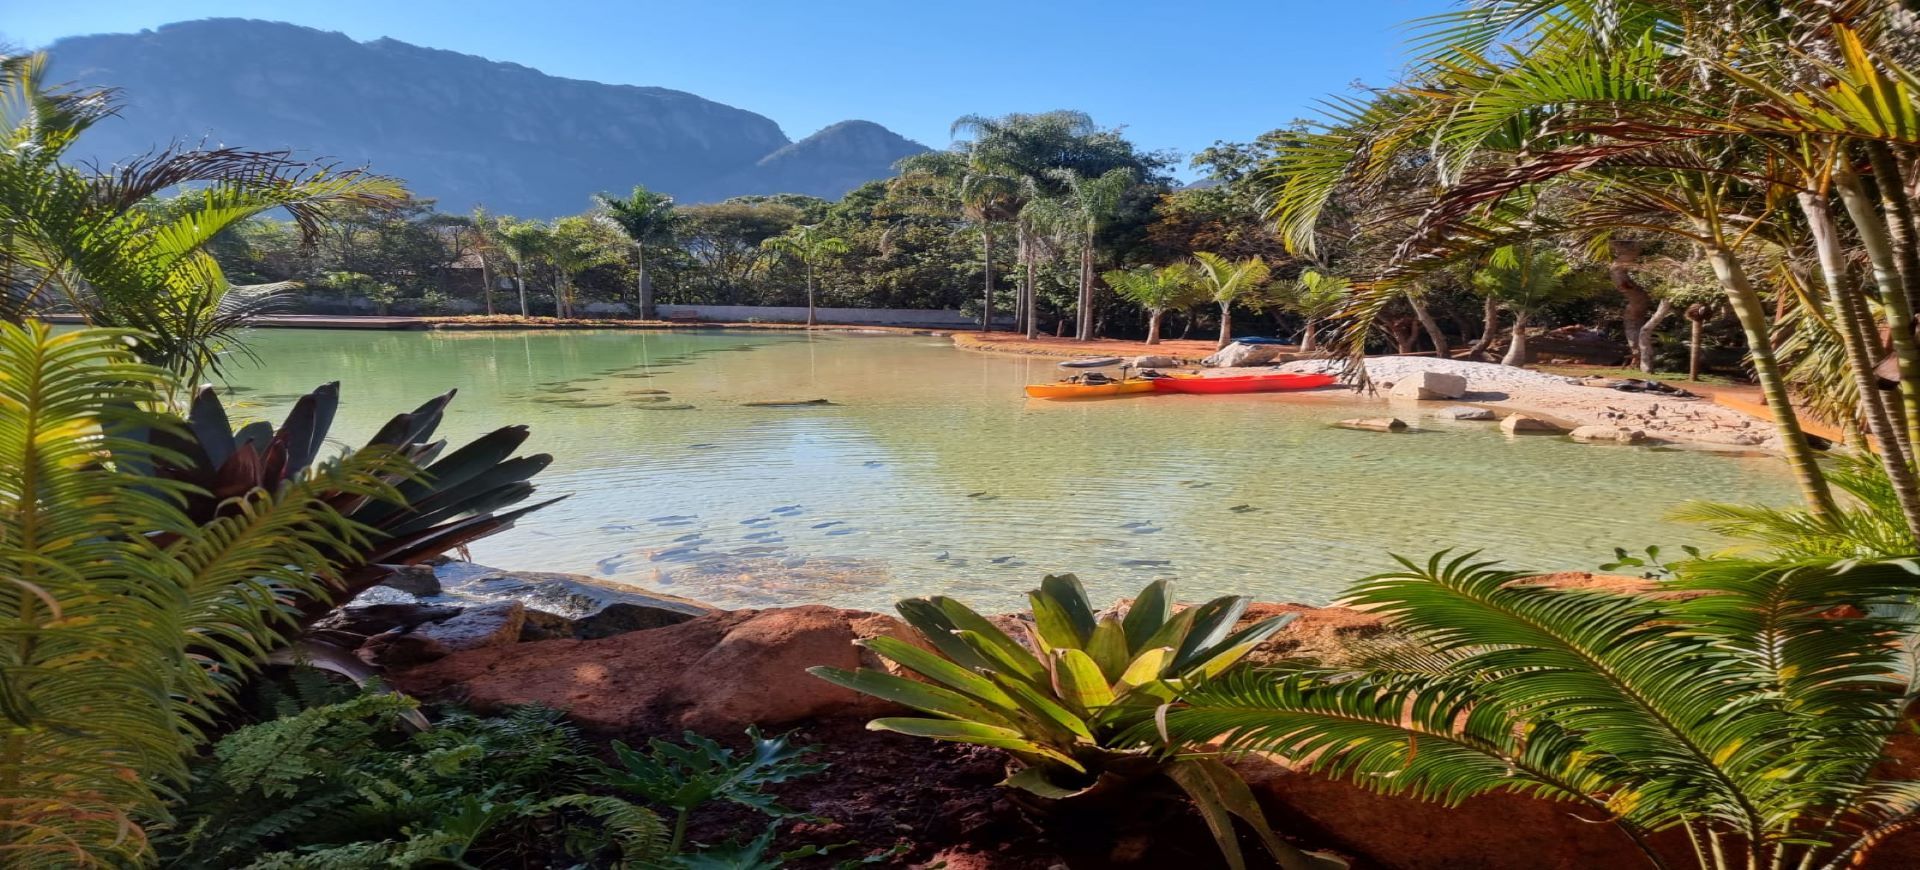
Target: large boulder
(1607, 435)
(1429, 385)
(1238, 355)
(1521, 424)
(717, 674)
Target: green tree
(1156, 290)
(647, 218)
(526, 244)
(1315, 296)
(576, 244)
(810, 245)
(96, 241)
(128, 623)
(1093, 204)
(1227, 283)
(1526, 277)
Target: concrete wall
(925, 318)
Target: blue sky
(1176, 75)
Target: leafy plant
(1869, 526)
(685, 777)
(129, 620)
(1062, 704)
(1647, 561)
(1753, 713)
(341, 786)
(454, 500)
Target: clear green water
(931, 473)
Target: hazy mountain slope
(462, 129)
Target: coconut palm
(1156, 290)
(1046, 230)
(1730, 705)
(1525, 277)
(1227, 283)
(89, 239)
(128, 622)
(646, 218)
(1093, 203)
(1315, 296)
(526, 244)
(812, 246)
(576, 244)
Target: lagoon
(930, 473)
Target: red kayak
(1262, 383)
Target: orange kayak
(1262, 383)
(1075, 390)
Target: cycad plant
(1229, 283)
(1746, 704)
(1156, 290)
(127, 621)
(1060, 704)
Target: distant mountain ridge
(461, 129)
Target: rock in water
(1465, 412)
(790, 403)
(1608, 435)
(1521, 424)
(413, 580)
(1429, 385)
(1374, 424)
(1236, 355)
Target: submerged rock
(789, 403)
(1374, 424)
(1608, 434)
(1465, 412)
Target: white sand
(1567, 401)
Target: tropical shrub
(129, 621)
(456, 499)
(343, 785)
(1062, 704)
(1748, 704)
(683, 778)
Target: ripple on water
(929, 450)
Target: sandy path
(1695, 421)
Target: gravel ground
(1568, 401)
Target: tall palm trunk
(520, 284)
(986, 268)
(1650, 330)
(1517, 341)
(1226, 325)
(1438, 336)
(1083, 327)
(648, 310)
(1876, 237)
(1153, 324)
(1697, 314)
(1625, 255)
(1033, 305)
(1847, 312)
(1752, 314)
(486, 285)
(1490, 327)
(811, 320)
(1310, 336)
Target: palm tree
(1226, 282)
(1156, 290)
(811, 245)
(526, 243)
(1046, 228)
(484, 230)
(1093, 202)
(646, 218)
(90, 238)
(575, 245)
(1729, 704)
(1315, 296)
(128, 622)
(1525, 277)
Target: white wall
(928, 318)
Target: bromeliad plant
(1750, 705)
(1062, 703)
(450, 502)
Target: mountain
(460, 129)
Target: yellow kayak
(1077, 390)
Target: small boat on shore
(1089, 388)
(1260, 383)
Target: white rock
(1465, 412)
(1521, 424)
(1429, 385)
(1153, 361)
(1607, 434)
(1237, 354)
